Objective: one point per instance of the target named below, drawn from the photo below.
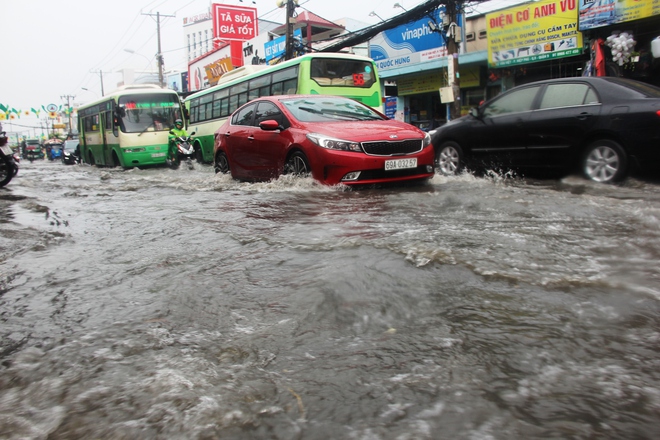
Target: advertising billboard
(598, 13)
(408, 44)
(275, 49)
(237, 23)
(533, 32)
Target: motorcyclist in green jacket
(176, 132)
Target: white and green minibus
(128, 127)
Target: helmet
(178, 122)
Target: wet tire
(449, 159)
(6, 171)
(221, 163)
(199, 157)
(297, 165)
(605, 161)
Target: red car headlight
(333, 143)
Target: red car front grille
(395, 148)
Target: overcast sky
(54, 49)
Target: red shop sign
(234, 22)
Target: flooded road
(160, 304)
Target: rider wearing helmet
(177, 131)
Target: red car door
(267, 148)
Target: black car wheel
(221, 163)
(449, 158)
(605, 162)
(297, 164)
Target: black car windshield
(326, 109)
(70, 145)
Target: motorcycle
(33, 153)
(8, 167)
(184, 151)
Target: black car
(603, 126)
(71, 152)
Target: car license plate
(400, 164)
(7, 150)
(158, 155)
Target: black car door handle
(583, 116)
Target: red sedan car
(336, 139)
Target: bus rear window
(331, 72)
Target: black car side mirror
(474, 112)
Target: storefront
(624, 31)
(560, 38)
(412, 58)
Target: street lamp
(91, 91)
(132, 52)
(398, 5)
(373, 14)
(149, 72)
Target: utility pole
(68, 109)
(290, 8)
(100, 72)
(453, 38)
(159, 55)
(289, 30)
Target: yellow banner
(420, 84)
(598, 13)
(533, 32)
(218, 68)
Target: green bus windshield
(339, 72)
(141, 112)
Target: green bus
(341, 74)
(128, 127)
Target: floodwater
(177, 304)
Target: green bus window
(264, 91)
(209, 110)
(107, 121)
(233, 103)
(290, 87)
(202, 113)
(342, 72)
(221, 94)
(242, 99)
(282, 75)
(260, 82)
(93, 122)
(276, 89)
(224, 107)
(238, 88)
(216, 108)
